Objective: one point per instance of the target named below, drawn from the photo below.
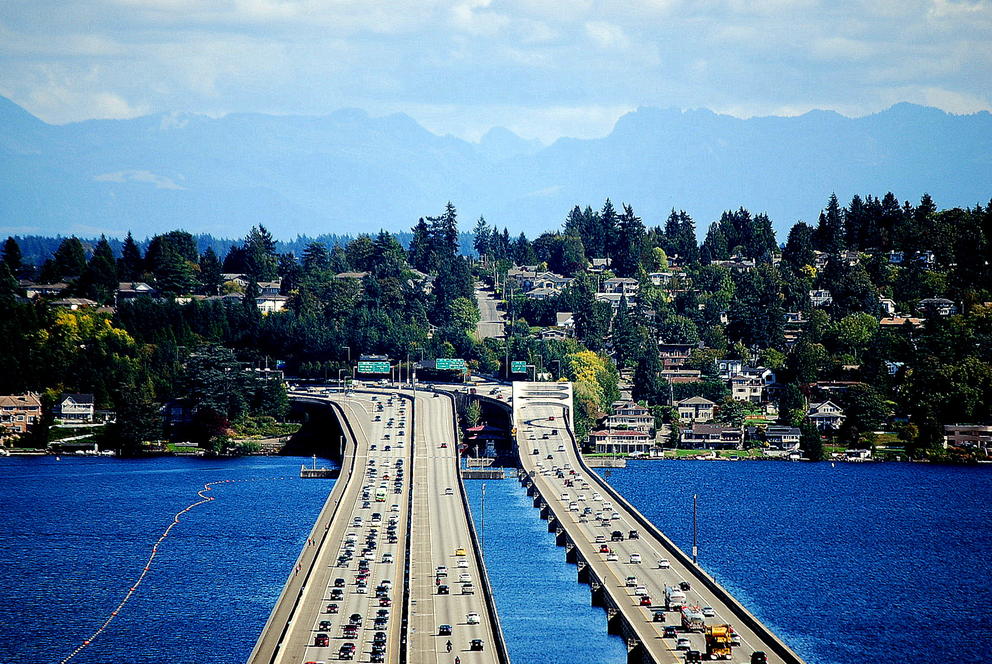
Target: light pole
(341, 382)
(531, 366)
(558, 362)
(347, 348)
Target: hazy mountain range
(348, 172)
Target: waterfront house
(18, 413)
(967, 435)
(750, 388)
(74, 407)
(826, 415)
(711, 437)
(782, 437)
(623, 441)
(695, 409)
(630, 415)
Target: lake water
(881, 560)
(75, 534)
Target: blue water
(545, 613)
(75, 534)
(888, 561)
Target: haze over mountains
(348, 173)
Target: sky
(542, 68)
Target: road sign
(518, 366)
(450, 363)
(373, 367)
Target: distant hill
(347, 172)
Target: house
(938, 305)
(857, 455)
(782, 437)
(794, 318)
(730, 368)
(893, 367)
(624, 285)
(967, 435)
(45, 290)
(626, 441)
(736, 264)
(75, 303)
(896, 257)
(18, 412)
(675, 355)
(597, 265)
(695, 409)
(630, 415)
(826, 415)
(681, 375)
(888, 305)
(662, 279)
(269, 287)
(564, 319)
(820, 297)
(748, 388)
(901, 322)
(711, 437)
(74, 407)
(614, 299)
(351, 275)
(240, 280)
(269, 304)
(542, 293)
(130, 290)
(553, 333)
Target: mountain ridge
(348, 172)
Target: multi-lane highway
(347, 608)
(601, 528)
(345, 598)
(448, 602)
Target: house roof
(696, 401)
(20, 400)
(603, 433)
(701, 428)
(78, 398)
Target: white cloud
(607, 35)
(143, 177)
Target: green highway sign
(450, 363)
(518, 366)
(373, 367)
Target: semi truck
(718, 644)
(674, 598)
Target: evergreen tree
(12, 255)
(420, 254)
(627, 338)
(604, 231)
(648, 384)
(131, 264)
(798, 251)
(210, 271)
(629, 247)
(715, 243)
(261, 262)
(99, 280)
(316, 259)
(810, 441)
(830, 230)
(481, 237)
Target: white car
(448, 491)
(664, 563)
(635, 559)
(640, 590)
(612, 557)
(463, 563)
(472, 618)
(708, 612)
(682, 643)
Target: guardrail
(773, 642)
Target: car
(671, 632)
(385, 601)
(355, 619)
(600, 539)
(616, 536)
(377, 657)
(633, 534)
(693, 657)
(324, 625)
(612, 557)
(460, 551)
(442, 589)
(635, 559)
(658, 616)
(472, 618)
(444, 630)
(464, 577)
(631, 581)
(475, 644)
(708, 612)
(443, 446)
(448, 491)
(735, 639)
(349, 631)
(759, 657)
(603, 548)
(462, 562)
(441, 570)
(337, 594)
(664, 563)
(645, 600)
(551, 419)
(321, 641)
(682, 643)
(536, 451)
(347, 651)
(684, 585)
(331, 608)
(550, 456)
(339, 582)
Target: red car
(645, 600)
(603, 548)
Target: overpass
(563, 487)
(400, 502)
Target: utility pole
(695, 528)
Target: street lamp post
(340, 381)
(347, 348)
(558, 362)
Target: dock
(483, 474)
(318, 473)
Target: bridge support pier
(583, 571)
(570, 556)
(597, 594)
(614, 621)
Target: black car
(379, 637)
(616, 536)
(671, 631)
(442, 589)
(684, 585)
(633, 535)
(758, 657)
(339, 582)
(321, 641)
(324, 625)
(347, 651)
(658, 616)
(475, 644)
(377, 657)
(444, 630)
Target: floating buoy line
(204, 498)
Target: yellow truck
(718, 645)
